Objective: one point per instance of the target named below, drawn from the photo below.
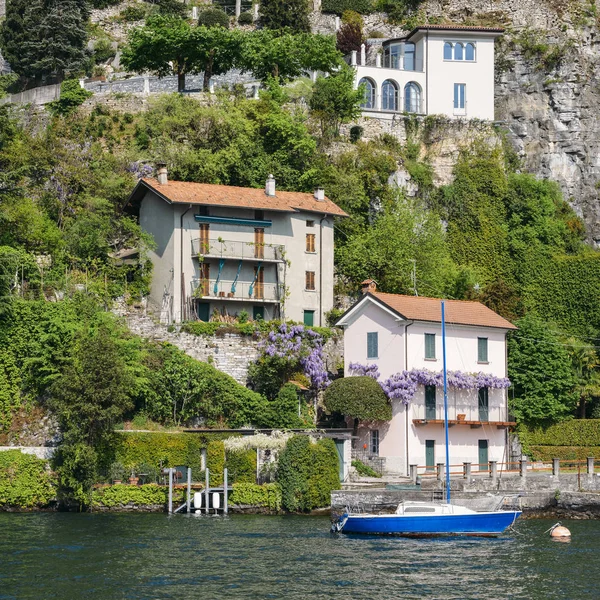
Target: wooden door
(259, 242)
(259, 286)
(204, 239)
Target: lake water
(72, 556)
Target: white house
(234, 249)
(402, 335)
(434, 70)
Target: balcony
(241, 291)
(238, 250)
(467, 415)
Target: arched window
(409, 56)
(369, 101)
(470, 51)
(447, 51)
(389, 95)
(412, 97)
(458, 52)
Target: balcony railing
(241, 290)
(461, 413)
(236, 249)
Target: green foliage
(338, 7)
(245, 18)
(132, 13)
(10, 388)
(540, 370)
(213, 17)
(283, 409)
(121, 495)
(574, 432)
(241, 466)
(285, 15)
(25, 481)
(76, 464)
(307, 474)
(358, 397)
(72, 95)
(267, 495)
(335, 101)
(215, 462)
(399, 11)
(42, 39)
(535, 46)
(547, 453)
(364, 470)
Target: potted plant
(117, 472)
(133, 480)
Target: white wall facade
(177, 267)
(401, 346)
(437, 76)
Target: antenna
(413, 276)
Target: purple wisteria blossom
(140, 170)
(297, 343)
(403, 385)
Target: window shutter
(430, 345)
(482, 350)
(372, 345)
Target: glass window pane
(430, 345)
(470, 52)
(369, 101)
(372, 345)
(389, 95)
(447, 51)
(458, 52)
(482, 350)
(409, 57)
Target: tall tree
(587, 370)
(45, 38)
(540, 369)
(290, 15)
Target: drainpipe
(181, 291)
(427, 73)
(321, 270)
(407, 407)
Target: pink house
(398, 340)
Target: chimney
(319, 194)
(161, 173)
(270, 186)
(368, 285)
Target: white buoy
(198, 500)
(216, 500)
(558, 531)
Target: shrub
(25, 481)
(72, 95)
(356, 132)
(215, 462)
(245, 18)
(213, 17)
(241, 466)
(364, 470)
(358, 397)
(547, 453)
(251, 494)
(307, 473)
(139, 495)
(338, 7)
(576, 432)
(117, 472)
(103, 50)
(137, 12)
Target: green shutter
(483, 455)
(482, 350)
(309, 317)
(430, 345)
(372, 345)
(430, 454)
(430, 401)
(484, 406)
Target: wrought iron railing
(241, 290)
(236, 249)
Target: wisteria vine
(296, 342)
(403, 385)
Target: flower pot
(133, 480)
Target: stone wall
(231, 353)
(39, 451)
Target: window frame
(310, 279)
(310, 223)
(457, 98)
(464, 44)
(429, 336)
(384, 95)
(311, 243)
(374, 442)
(487, 350)
(305, 313)
(372, 335)
(370, 98)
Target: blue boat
(430, 519)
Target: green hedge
(547, 453)
(140, 495)
(251, 494)
(337, 7)
(241, 466)
(308, 472)
(25, 481)
(215, 461)
(576, 432)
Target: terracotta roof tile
(184, 192)
(458, 312)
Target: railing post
(493, 469)
(466, 470)
(225, 507)
(206, 494)
(363, 55)
(413, 473)
(555, 467)
(523, 468)
(440, 471)
(189, 491)
(170, 490)
(378, 60)
(590, 467)
(353, 58)
(238, 8)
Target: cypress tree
(291, 15)
(45, 38)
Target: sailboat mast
(445, 404)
